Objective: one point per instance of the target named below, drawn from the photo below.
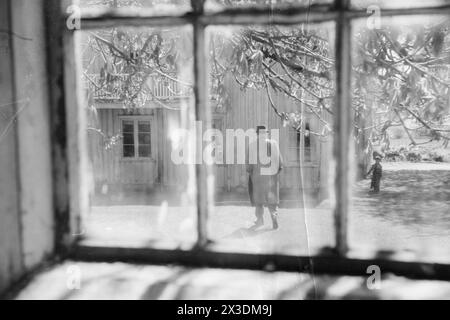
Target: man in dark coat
(264, 184)
(377, 172)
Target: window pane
(144, 151)
(128, 126)
(144, 138)
(128, 138)
(144, 126)
(242, 63)
(128, 151)
(143, 194)
(401, 196)
(214, 5)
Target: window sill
(150, 282)
(319, 261)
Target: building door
(138, 163)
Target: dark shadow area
(155, 290)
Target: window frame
(300, 147)
(71, 161)
(136, 119)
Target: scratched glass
(281, 78)
(217, 5)
(139, 106)
(155, 7)
(401, 78)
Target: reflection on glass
(139, 104)
(401, 106)
(159, 7)
(271, 100)
(214, 5)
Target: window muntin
(342, 98)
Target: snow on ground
(412, 212)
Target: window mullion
(342, 144)
(68, 120)
(202, 115)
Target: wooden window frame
(310, 148)
(70, 159)
(301, 161)
(136, 120)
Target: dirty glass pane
(158, 7)
(280, 78)
(144, 151)
(128, 151)
(142, 189)
(144, 126)
(401, 159)
(128, 138)
(217, 5)
(144, 138)
(128, 126)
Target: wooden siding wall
(11, 260)
(247, 110)
(26, 193)
(110, 168)
(251, 108)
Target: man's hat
(377, 157)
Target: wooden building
(132, 148)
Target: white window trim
(136, 119)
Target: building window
(307, 144)
(300, 142)
(136, 139)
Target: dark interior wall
(11, 258)
(26, 195)
(33, 134)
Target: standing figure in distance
(264, 185)
(377, 172)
